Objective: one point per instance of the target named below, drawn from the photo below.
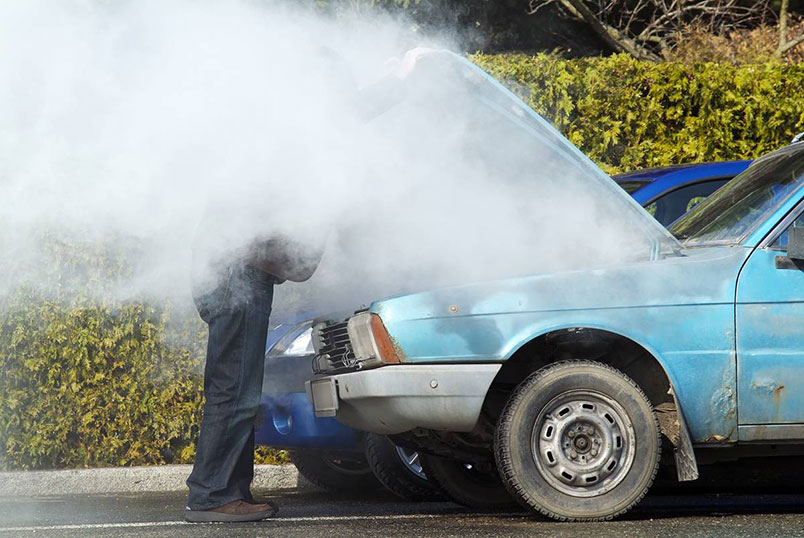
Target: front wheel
(578, 441)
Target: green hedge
(94, 384)
(627, 114)
(92, 381)
(88, 382)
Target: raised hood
(542, 154)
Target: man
(236, 306)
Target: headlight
(296, 343)
(370, 340)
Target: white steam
(125, 121)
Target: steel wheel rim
(410, 459)
(583, 443)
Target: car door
(770, 341)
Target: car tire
(398, 470)
(334, 471)
(463, 484)
(578, 441)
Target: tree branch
(783, 23)
(789, 45)
(610, 35)
(784, 44)
(647, 28)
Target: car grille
(334, 351)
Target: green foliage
(90, 380)
(270, 456)
(625, 114)
(95, 384)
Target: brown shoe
(234, 511)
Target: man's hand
(409, 60)
(284, 258)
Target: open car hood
(541, 154)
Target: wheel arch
(611, 347)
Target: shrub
(747, 45)
(90, 380)
(93, 384)
(626, 114)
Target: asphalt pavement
(309, 513)
(738, 498)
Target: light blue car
(337, 457)
(566, 391)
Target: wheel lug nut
(573, 454)
(570, 434)
(593, 452)
(590, 431)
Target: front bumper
(398, 398)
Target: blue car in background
(670, 191)
(337, 457)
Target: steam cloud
(123, 121)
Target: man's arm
(284, 258)
(377, 98)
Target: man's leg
(237, 314)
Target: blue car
(669, 192)
(565, 391)
(327, 453)
(333, 455)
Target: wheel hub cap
(410, 459)
(583, 443)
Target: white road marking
(93, 526)
(89, 526)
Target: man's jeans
(237, 314)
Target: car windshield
(737, 208)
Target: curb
(131, 480)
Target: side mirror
(795, 243)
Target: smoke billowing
(123, 123)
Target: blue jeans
(237, 313)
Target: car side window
(670, 206)
(781, 241)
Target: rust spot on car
(777, 402)
(723, 400)
(767, 386)
(400, 353)
(770, 387)
(717, 438)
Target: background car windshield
(740, 205)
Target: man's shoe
(234, 511)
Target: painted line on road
(88, 526)
(304, 519)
